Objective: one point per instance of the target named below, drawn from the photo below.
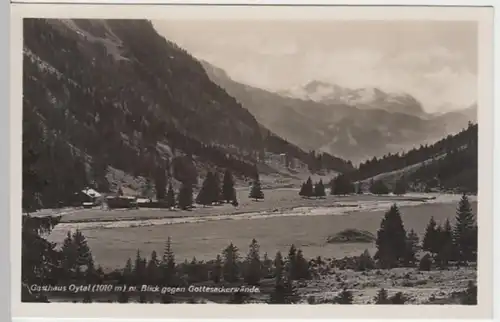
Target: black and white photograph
(202, 161)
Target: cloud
(434, 76)
(427, 61)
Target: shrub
(425, 263)
(365, 262)
(470, 296)
(399, 298)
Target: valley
(144, 164)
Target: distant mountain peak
(363, 98)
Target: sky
(434, 61)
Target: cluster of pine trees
(212, 192)
(396, 247)
(309, 190)
(76, 93)
(72, 100)
(73, 263)
(342, 185)
(456, 171)
(446, 243)
(228, 268)
(44, 264)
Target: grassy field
(276, 200)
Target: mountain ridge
(338, 128)
(94, 100)
(362, 98)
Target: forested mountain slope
(114, 94)
(449, 164)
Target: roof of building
(91, 193)
(121, 197)
(143, 200)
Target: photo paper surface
(318, 157)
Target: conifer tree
(358, 189)
(160, 183)
(144, 265)
(82, 248)
(291, 263)
(39, 256)
(342, 185)
(446, 250)
(170, 198)
(87, 298)
(256, 192)
(228, 191)
(425, 263)
(143, 297)
(400, 187)
(91, 275)
(139, 269)
(192, 271)
(332, 186)
(237, 298)
(307, 189)
(99, 273)
(217, 270)
(470, 296)
(398, 298)
(464, 236)
(185, 197)
(230, 269)
(69, 256)
(253, 266)
(207, 192)
(267, 264)
(430, 242)
(344, 297)
(365, 261)
(302, 266)
(391, 239)
(378, 187)
(319, 189)
(217, 195)
(127, 272)
(166, 298)
(168, 263)
(279, 268)
(152, 269)
(123, 297)
(412, 247)
(302, 192)
(382, 297)
(284, 292)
